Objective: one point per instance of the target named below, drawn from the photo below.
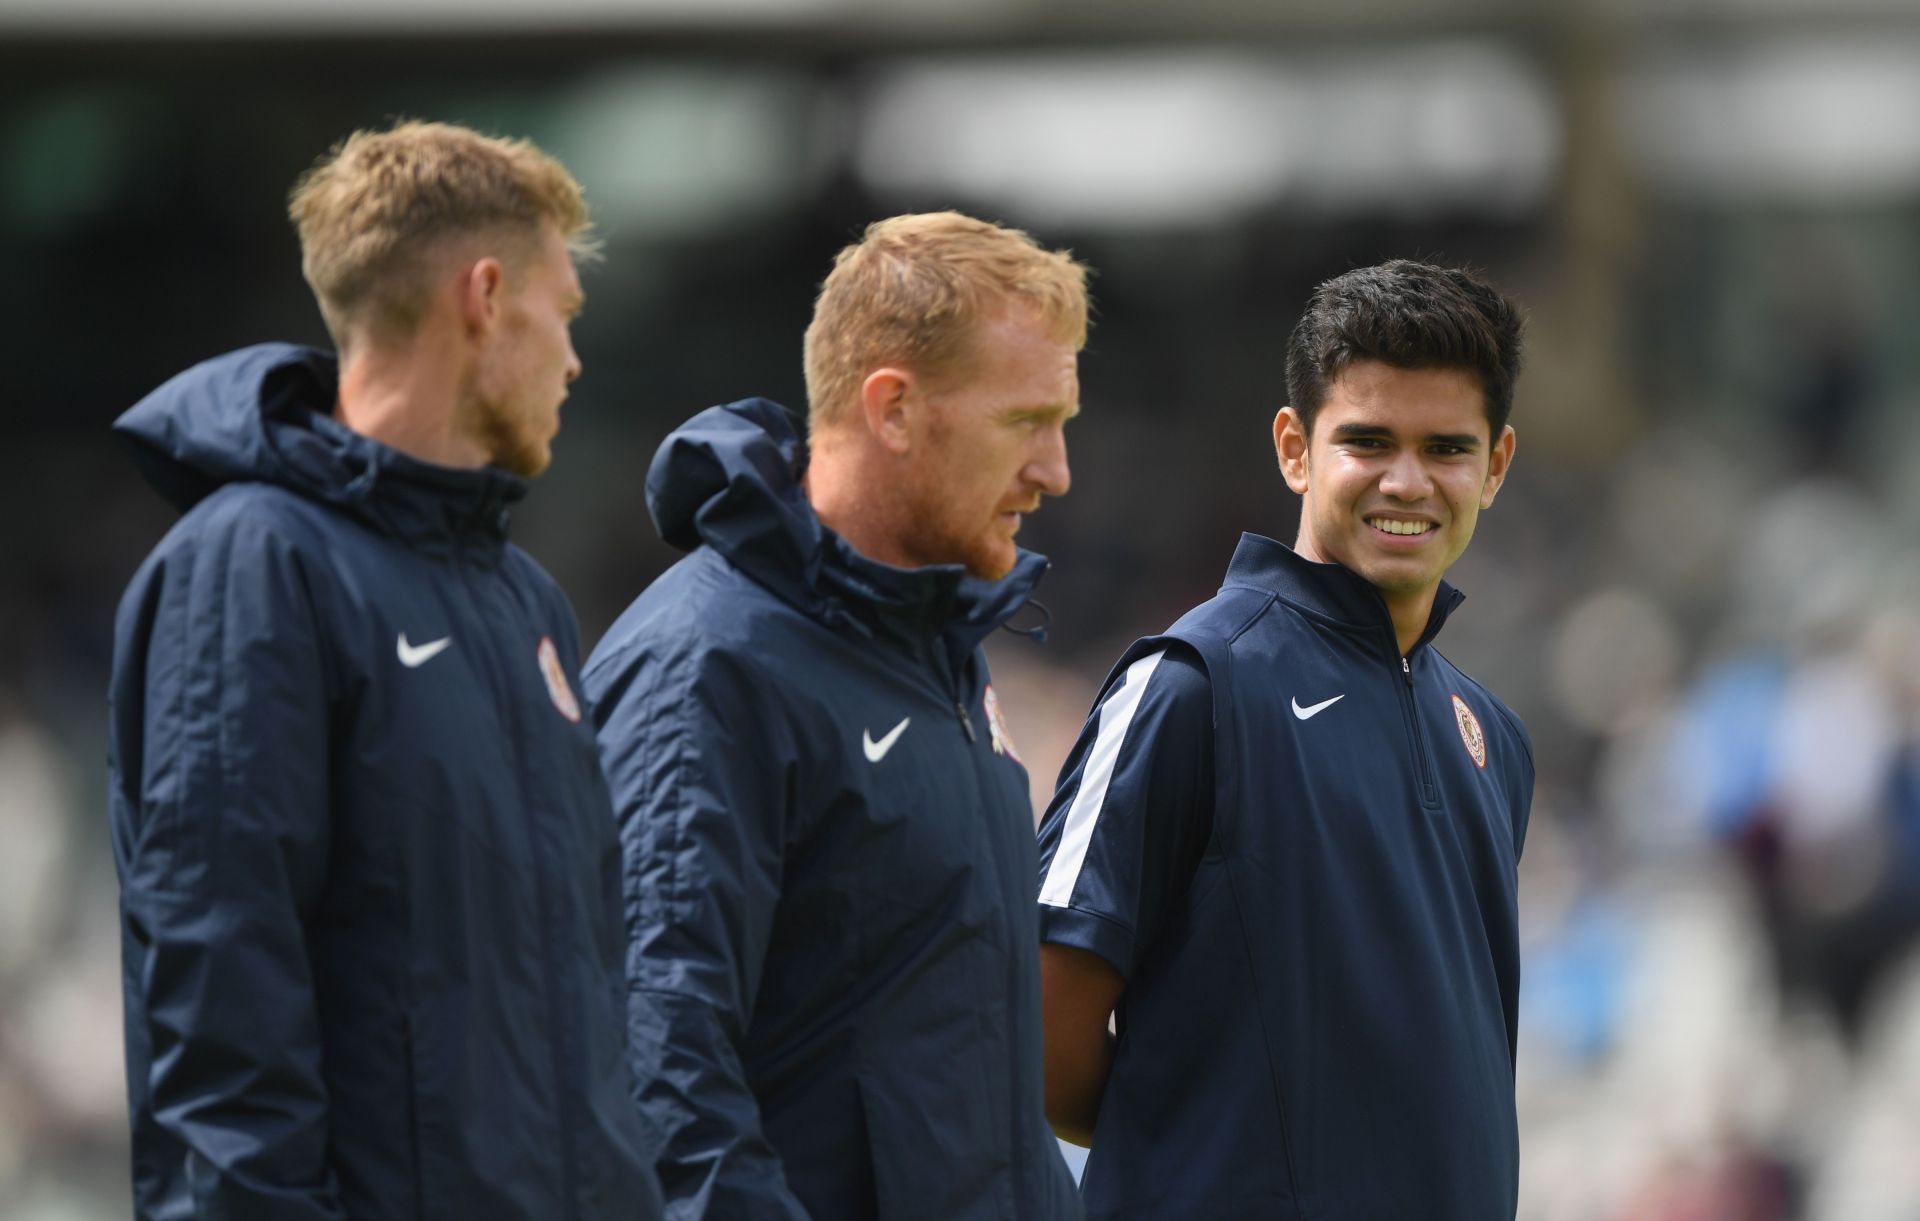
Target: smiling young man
(369, 876)
(833, 966)
(1281, 858)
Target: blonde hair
(371, 212)
(913, 289)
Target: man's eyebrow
(1347, 431)
(1460, 440)
(1064, 411)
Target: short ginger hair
(913, 291)
(373, 212)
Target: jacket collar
(919, 603)
(1330, 591)
(264, 415)
(730, 478)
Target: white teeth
(1399, 527)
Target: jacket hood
(264, 415)
(731, 478)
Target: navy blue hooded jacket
(833, 950)
(1298, 849)
(369, 874)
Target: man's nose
(1406, 477)
(1048, 469)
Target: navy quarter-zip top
(833, 956)
(1298, 848)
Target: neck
(1410, 613)
(404, 399)
(842, 475)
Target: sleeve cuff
(1088, 931)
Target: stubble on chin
(510, 442)
(934, 538)
(518, 454)
(529, 462)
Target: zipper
(988, 835)
(545, 857)
(986, 778)
(947, 682)
(1429, 798)
(986, 767)
(411, 1080)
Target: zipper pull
(1406, 671)
(965, 723)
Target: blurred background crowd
(1696, 587)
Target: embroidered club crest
(556, 676)
(997, 724)
(1470, 731)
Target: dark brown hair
(1411, 316)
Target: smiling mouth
(1401, 529)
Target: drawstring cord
(1037, 633)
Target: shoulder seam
(1267, 600)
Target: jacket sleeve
(699, 760)
(1134, 806)
(220, 796)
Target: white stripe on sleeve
(1116, 715)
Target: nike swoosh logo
(413, 655)
(877, 751)
(1314, 710)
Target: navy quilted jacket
(369, 874)
(829, 847)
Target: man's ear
(1290, 446)
(1499, 460)
(481, 289)
(887, 398)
